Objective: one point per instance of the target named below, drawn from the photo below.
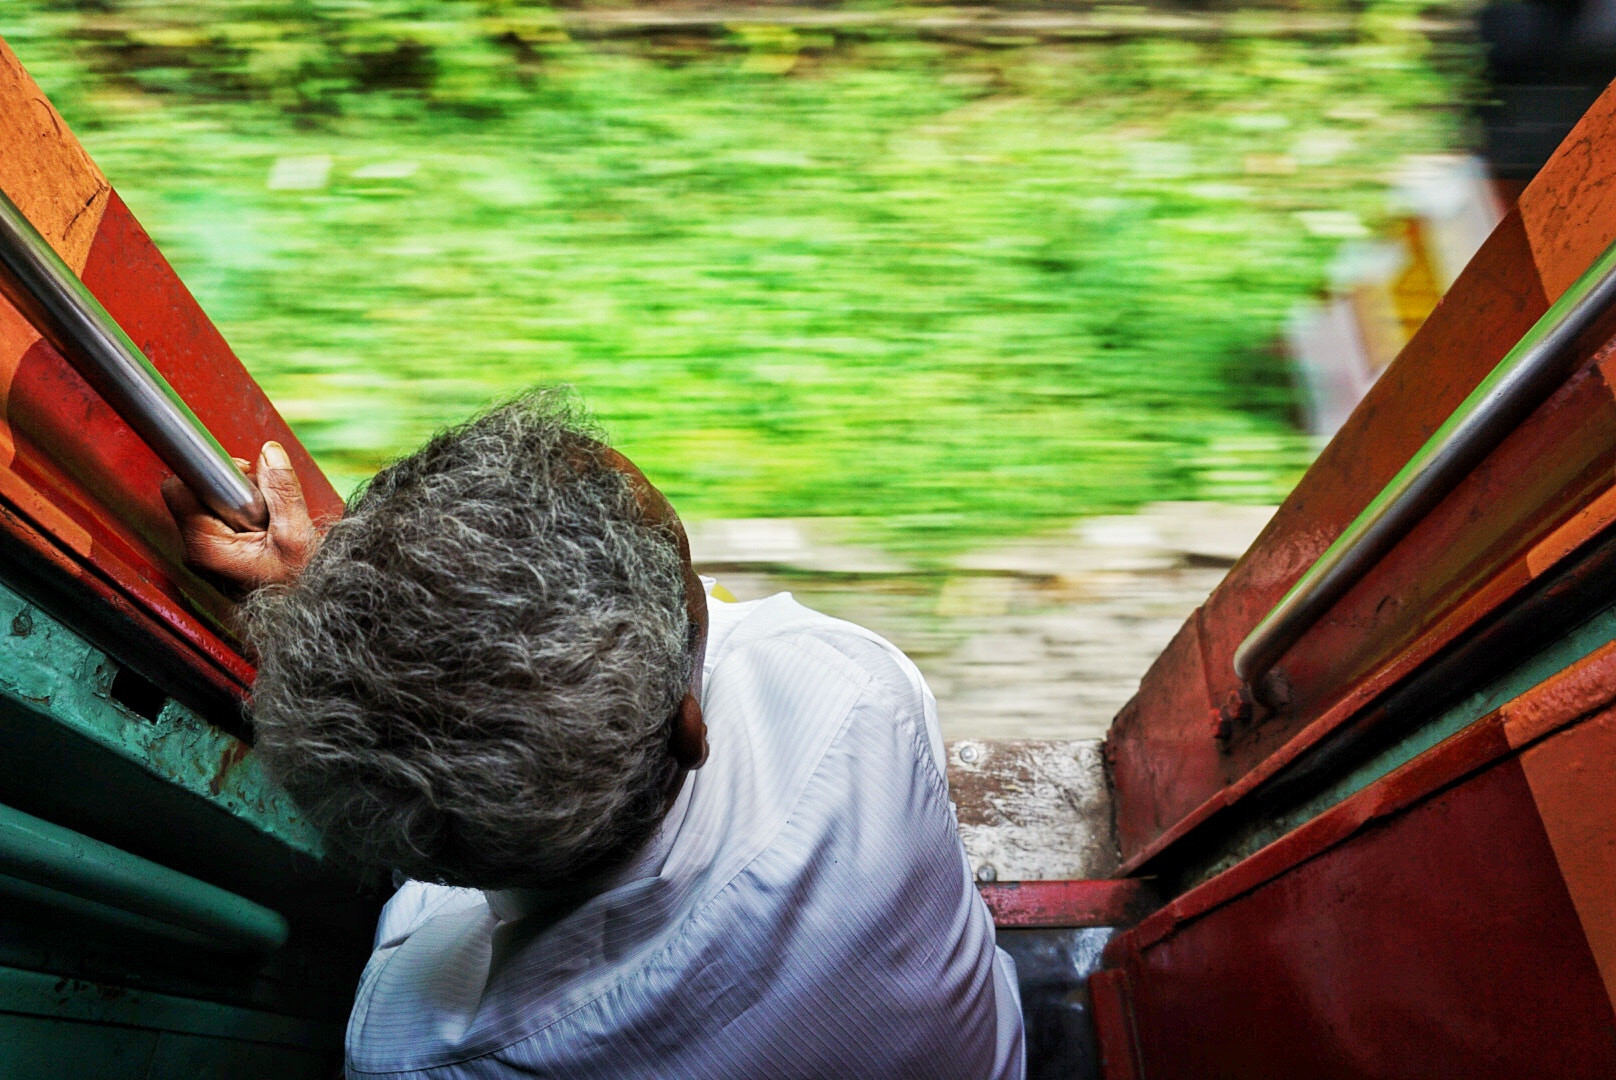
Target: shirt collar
(552, 904)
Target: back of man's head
(474, 679)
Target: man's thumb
(283, 493)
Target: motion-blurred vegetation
(960, 289)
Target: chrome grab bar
(1520, 382)
(47, 292)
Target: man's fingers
(289, 524)
(182, 502)
(189, 512)
(258, 557)
(283, 492)
(210, 544)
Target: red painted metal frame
(79, 491)
(1452, 919)
(1109, 998)
(1060, 904)
(1193, 743)
(1456, 916)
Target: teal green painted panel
(93, 913)
(56, 675)
(40, 853)
(38, 1048)
(1554, 658)
(191, 1057)
(41, 994)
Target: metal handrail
(1520, 382)
(51, 296)
(50, 857)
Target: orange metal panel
(1569, 209)
(44, 170)
(54, 182)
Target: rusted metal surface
(1111, 902)
(1164, 749)
(1466, 557)
(1568, 208)
(79, 492)
(1033, 809)
(1575, 584)
(1435, 704)
(1188, 745)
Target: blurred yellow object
(718, 592)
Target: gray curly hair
(475, 678)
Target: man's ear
(689, 740)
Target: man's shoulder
(818, 671)
(781, 629)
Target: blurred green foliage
(957, 291)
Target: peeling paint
(55, 674)
(231, 756)
(1033, 809)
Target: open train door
(1385, 847)
(1374, 775)
(167, 913)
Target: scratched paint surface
(62, 680)
(56, 186)
(1033, 809)
(1569, 210)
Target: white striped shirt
(806, 910)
